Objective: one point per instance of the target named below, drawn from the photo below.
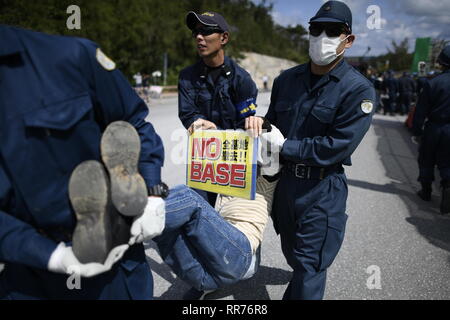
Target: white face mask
(322, 49)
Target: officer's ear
(224, 37)
(349, 42)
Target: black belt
(302, 171)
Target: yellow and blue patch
(247, 107)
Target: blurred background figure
(390, 88)
(433, 108)
(407, 87)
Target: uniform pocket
(323, 113)
(60, 115)
(65, 128)
(333, 240)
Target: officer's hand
(63, 260)
(150, 223)
(201, 124)
(268, 156)
(254, 124)
(273, 140)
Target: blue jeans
(199, 245)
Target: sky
(398, 19)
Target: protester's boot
(425, 192)
(445, 200)
(89, 195)
(120, 150)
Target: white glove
(150, 223)
(269, 151)
(63, 260)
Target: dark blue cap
(208, 18)
(334, 11)
(444, 56)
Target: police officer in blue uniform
(421, 79)
(57, 95)
(390, 86)
(407, 87)
(323, 108)
(214, 93)
(433, 109)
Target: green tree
(137, 33)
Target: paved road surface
(389, 228)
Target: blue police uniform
(407, 87)
(390, 85)
(434, 107)
(226, 102)
(55, 100)
(420, 84)
(323, 125)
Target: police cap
(208, 18)
(334, 11)
(444, 56)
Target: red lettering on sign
(208, 173)
(237, 175)
(198, 147)
(196, 171)
(209, 147)
(222, 176)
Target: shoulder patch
(367, 106)
(104, 61)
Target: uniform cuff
(291, 150)
(43, 248)
(151, 175)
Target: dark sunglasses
(205, 31)
(331, 29)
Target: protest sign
(222, 161)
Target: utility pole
(165, 68)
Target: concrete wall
(259, 65)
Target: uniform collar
(10, 43)
(338, 71)
(203, 68)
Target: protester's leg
(199, 245)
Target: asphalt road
(396, 245)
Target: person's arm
(116, 100)
(188, 112)
(421, 111)
(245, 96)
(345, 134)
(20, 243)
(271, 114)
